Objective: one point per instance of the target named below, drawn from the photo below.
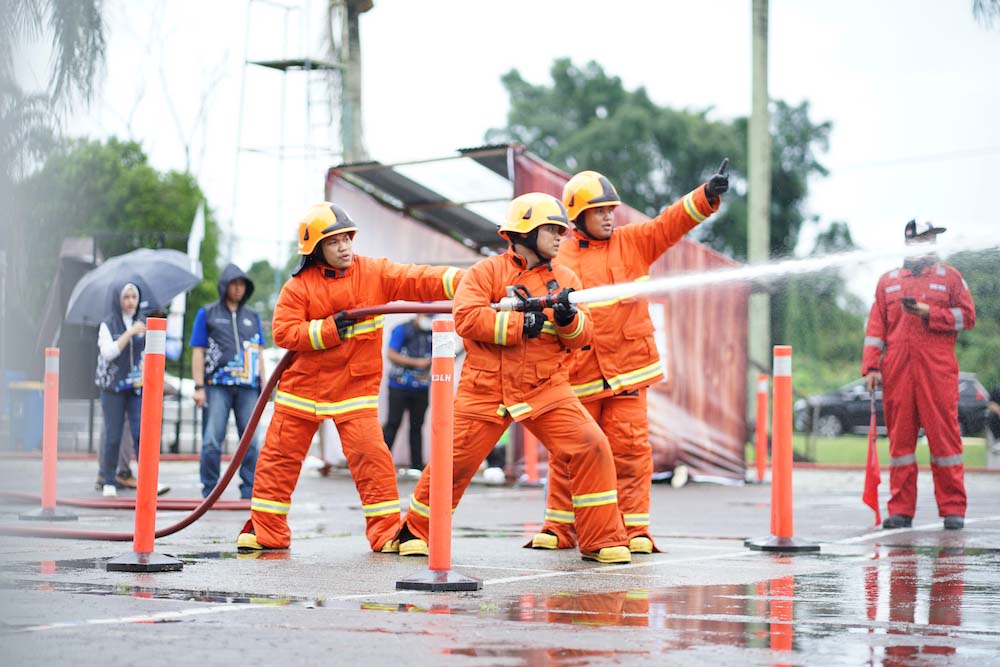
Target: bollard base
(438, 581)
(144, 562)
(781, 544)
(48, 515)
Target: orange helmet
(321, 221)
(588, 189)
(532, 210)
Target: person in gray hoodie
(228, 372)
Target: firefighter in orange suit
(335, 374)
(515, 369)
(610, 376)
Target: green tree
(978, 350)
(265, 293)
(654, 155)
(109, 191)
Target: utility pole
(759, 197)
(351, 133)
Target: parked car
(847, 410)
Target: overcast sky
(912, 88)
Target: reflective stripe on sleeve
(900, 461)
(448, 280)
(500, 327)
(316, 334)
(558, 516)
(595, 499)
(577, 331)
(588, 388)
(518, 409)
(873, 341)
(959, 318)
(635, 377)
(364, 326)
(893, 288)
(269, 506)
(691, 208)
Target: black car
(847, 410)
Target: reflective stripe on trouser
(280, 462)
(576, 436)
(623, 419)
(915, 397)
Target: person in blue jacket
(409, 383)
(228, 372)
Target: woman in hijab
(120, 341)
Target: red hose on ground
(168, 504)
(207, 503)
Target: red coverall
(611, 377)
(339, 379)
(506, 376)
(920, 379)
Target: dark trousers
(115, 405)
(413, 401)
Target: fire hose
(234, 464)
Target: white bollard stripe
(782, 366)
(156, 341)
(443, 345)
(762, 386)
(52, 364)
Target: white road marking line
(895, 531)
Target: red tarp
(698, 415)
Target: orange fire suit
(611, 376)
(508, 377)
(920, 380)
(336, 378)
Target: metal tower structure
(324, 62)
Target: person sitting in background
(409, 384)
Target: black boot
(898, 521)
(954, 522)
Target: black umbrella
(160, 275)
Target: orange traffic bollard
(781, 538)
(760, 441)
(142, 558)
(439, 576)
(50, 444)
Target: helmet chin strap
(530, 241)
(581, 224)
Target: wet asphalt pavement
(921, 596)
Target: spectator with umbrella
(113, 297)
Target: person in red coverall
(335, 374)
(516, 369)
(611, 375)
(909, 348)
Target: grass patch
(853, 450)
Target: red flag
(873, 475)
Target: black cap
(921, 228)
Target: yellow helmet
(321, 221)
(533, 210)
(588, 189)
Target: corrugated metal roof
(463, 196)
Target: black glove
(343, 323)
(563, 310)
(533, 321)
(719, 183)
